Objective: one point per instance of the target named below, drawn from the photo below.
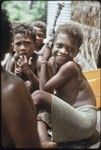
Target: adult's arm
(19, 115)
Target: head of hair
(24, 28)
(72, 30)
(39, 24)
(6, 32)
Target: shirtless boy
(18, 115)
(24, 60)
(72, 109)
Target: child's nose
(64, 51)
(22, 47)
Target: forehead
(22, 36)
(65, 39)
(38, 29)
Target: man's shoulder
(13, 79)
(11, 85)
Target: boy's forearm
(43, 74)
(10, 67)
(33, 78)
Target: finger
(21, 57)
(30, 60)
(16, 57)
(19, 63)
(18, 71)
(25, 57)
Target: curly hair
(72, 30)
(25, 29)
(39, 24)
(6, 32)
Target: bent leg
(42, 100)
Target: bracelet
(43, 62)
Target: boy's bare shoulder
(70, 66)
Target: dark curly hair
(39, 24)
(72, 30)
(25, 29)
(5, 32)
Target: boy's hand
(46, 52)
(18, 71)
(24, 64)
(16, 57)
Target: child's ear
(12, 46)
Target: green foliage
(20, 10)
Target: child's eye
(40, 35)
(70, 49)
(18, 44)
(59, 45)
(27, 43)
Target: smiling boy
(72, 109)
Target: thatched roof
(87, 16)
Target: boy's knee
(38, 94)
(38, 97)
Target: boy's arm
(33, 80)
(20, 116)
(44, 71)
(13, 67)
(66, 72)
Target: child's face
(64, 48)
(24, 44)
(39, 35)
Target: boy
(40, 28)
(72, 108)
(18, 114)
(24, 61)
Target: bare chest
(69, 91)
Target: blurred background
(85, 14)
